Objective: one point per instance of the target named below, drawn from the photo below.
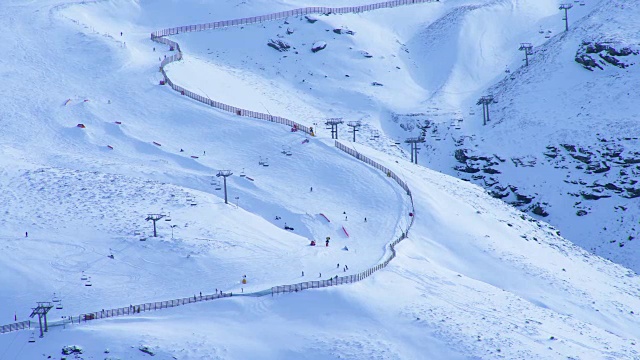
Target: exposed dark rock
(523, 199)
(461, 155)
(632, 193)
(375, 83)
(581, 213)
(310, 18)
(498, 195)
(587, 196)
(538, 210)
(613, 187)
(343, 31)
(584, 159)
(568, 147)
(466, 169)
(491, 171)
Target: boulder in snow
(146, 349)
(366, 54)
(310, 19)
(318, 45)
(279, 45)
(343, 31)
(72, 349)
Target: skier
(120, 33)
(311, 189)
(338, 266)
(365, 219)
(346, 267)
(345, 218)
(320, 275)
(303, 273)
(26, 234)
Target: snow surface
(475, 279)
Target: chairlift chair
(32, 338)
(242, 174)
(265, 162)
(59, 306)
(88, 283)
(55, 298)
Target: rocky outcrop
(593, 55)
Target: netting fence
(22, 325)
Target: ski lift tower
(528, 50)
(414, 141)
(485, 101)
(224, 174)
(334, 122)
(566, 8)
(41, 310)
(354, 125)
(154, 218)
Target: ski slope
(476, 278)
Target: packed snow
(476, 279)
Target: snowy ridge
(158, 36)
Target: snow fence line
(158, 36)
(392, 246)
(22, 325)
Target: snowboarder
(181, 150)
(345, 218)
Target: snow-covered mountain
(475, 279)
